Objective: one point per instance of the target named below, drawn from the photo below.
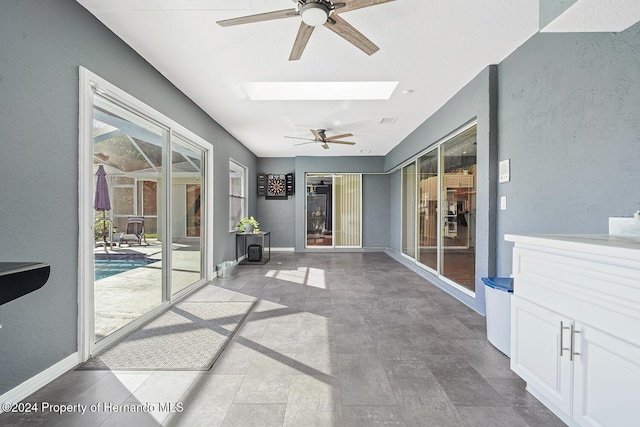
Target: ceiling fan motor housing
(315, 12)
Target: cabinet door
(535, 351)
(606, 379)
(432, 187)
(451, 180)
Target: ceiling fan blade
(317, 135)
(267, 16)
(304, 32)
(341, 142)
(304, 139)
(304, 143)
(344, 135)
(325, 146)
(350, 34)
(359, 4)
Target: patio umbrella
(101, 201)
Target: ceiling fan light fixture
(314, 14)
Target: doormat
(189, 336)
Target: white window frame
(334, 213)
(236, 167)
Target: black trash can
(254, 253)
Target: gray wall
(278, 216)
(476, 100)
(376, 197)
(551, 9)
(42, 45)
(569, 109)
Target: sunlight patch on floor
(314, 277)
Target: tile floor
(334, 340)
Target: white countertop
(604, 244)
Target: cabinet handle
(573, 343)
(562, 347)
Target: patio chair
(135, 231)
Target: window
(237, 194)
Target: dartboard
(276, 187)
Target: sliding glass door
(334, 210)
(187, 211)
(428, 187)
(438, 209)
(147, 211)
(128, 258)
(457, 241)
(409, 210)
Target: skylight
(319, 91)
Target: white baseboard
(282, 249)
(35, 383)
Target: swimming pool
(109, 267)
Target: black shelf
(20, 278)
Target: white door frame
(88, 82)
(331, 175)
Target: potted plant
(101, 229)
(248, 225)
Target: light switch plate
(504, 171)
(503, 203)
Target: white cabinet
(457, 180)
(535, 351)
(606, 380)
(576, 326)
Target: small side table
(266, 255)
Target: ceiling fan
(315, 13)
(320, 137)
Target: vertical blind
(348, 209)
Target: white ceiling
(432, 48)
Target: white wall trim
(283, 249)
(85, 213)
(38, 381)
(89, 81)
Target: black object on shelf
(262, 184)
(289, 183)
(254, 253)
(20, 278)
(264, 237)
